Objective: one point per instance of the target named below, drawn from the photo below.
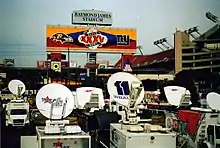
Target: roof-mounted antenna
(16, 87)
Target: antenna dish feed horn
(16, 87)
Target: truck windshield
(217, 132)
(18, 112)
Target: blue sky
(22, 22)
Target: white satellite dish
(119, 87)
(83, 96)
(57, 94)
(15, 85)
(174, 94)
(213, 100)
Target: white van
(17, 113)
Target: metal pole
(122, 62)
(69, 67)
(47, 70)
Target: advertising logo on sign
(92, 39)
(88, 90)
(119, 87)
(84, 39)
(47, 100)
(61, 37)
(122, 88)
(58, 144)
(57, 102)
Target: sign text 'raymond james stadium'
(93, 17)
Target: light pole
(192, 30)
(212, 17)
(164, 43)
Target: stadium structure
(199, 55)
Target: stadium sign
(92, 17)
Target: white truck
(17, 113)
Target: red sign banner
(192, 120)
(56, 56)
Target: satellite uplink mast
(17, 110)
(128, 91)
(16, 87)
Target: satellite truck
(57, 133)
(17, 110)
(126, 90)
(197, 127)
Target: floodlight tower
(192, 30)
(162, 42)
(157, 44)
(212, 17)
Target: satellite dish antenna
(119, 85)
(174, 94)
(84, 94)
(16, 87)
(58, 96)
(213, 100)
